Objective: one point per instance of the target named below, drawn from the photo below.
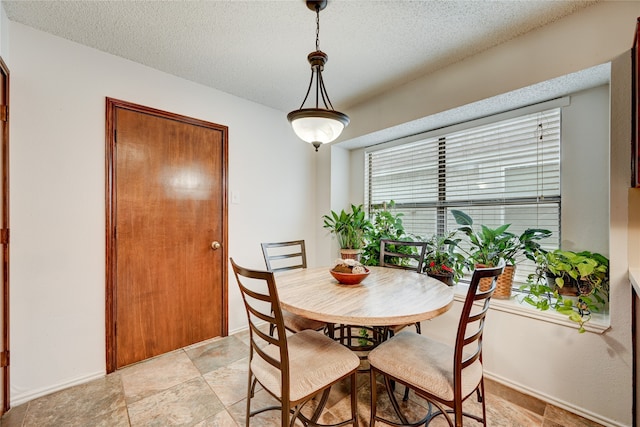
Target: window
(504, 172)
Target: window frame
(441, 205)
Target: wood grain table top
(388, 296)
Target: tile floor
(205, 386)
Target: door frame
(110, 205)
(4, 70)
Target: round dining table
(386, 297)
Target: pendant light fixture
(317, 125)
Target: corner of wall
(4, 34)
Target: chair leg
(394, 401)
(457, 413)
(321, 405)
(484, 409)
(250, 384)
(330, 330)
(285, 414)
(374, 398)
(354, 399)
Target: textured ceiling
(257, 49)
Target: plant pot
(351, 254)
(446, 278)
(505, 282)
(571, 287)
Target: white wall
(585, 155)
(588, 373)
(58, 91)
(4, 35)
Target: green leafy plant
(557, 270)
(349, 228)
(385, 224)
(588, 270)
(489, 245)
(442, 258)
(363, 335)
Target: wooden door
(167, 232)
(4, 235)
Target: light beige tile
(555, 416)
(117, 418)
(243, 336)
(494, 388)
(182, 405)
(230, 382)
(501, 412)
(15, 416)
(261, 399)
(221, 419)
(155, 375)
(217, 354)
(85, 404)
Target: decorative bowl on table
(349, 272)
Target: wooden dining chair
(411, 257)
(444, 375)
(284, 256)
(294, 368)
(402, 254)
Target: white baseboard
(18, 398)
(240, 329)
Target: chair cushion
(424, 363)
(296, 323)
(315, 361)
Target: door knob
(215, 245)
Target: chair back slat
(471, 338)
(479, 315)
(283, 256)
(264, 336)
(267, 358)
(472, 357)
(260, 315)
(391, 257)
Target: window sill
(598, 323)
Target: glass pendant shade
(317, 126)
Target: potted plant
(350, 229)
(441, 260)
(489, 245)
(385, 224)
(572, 283)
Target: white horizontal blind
(507, 172)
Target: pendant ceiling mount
(316, 5)
(317, 125)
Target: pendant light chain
(318, 68)
(317, 27)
